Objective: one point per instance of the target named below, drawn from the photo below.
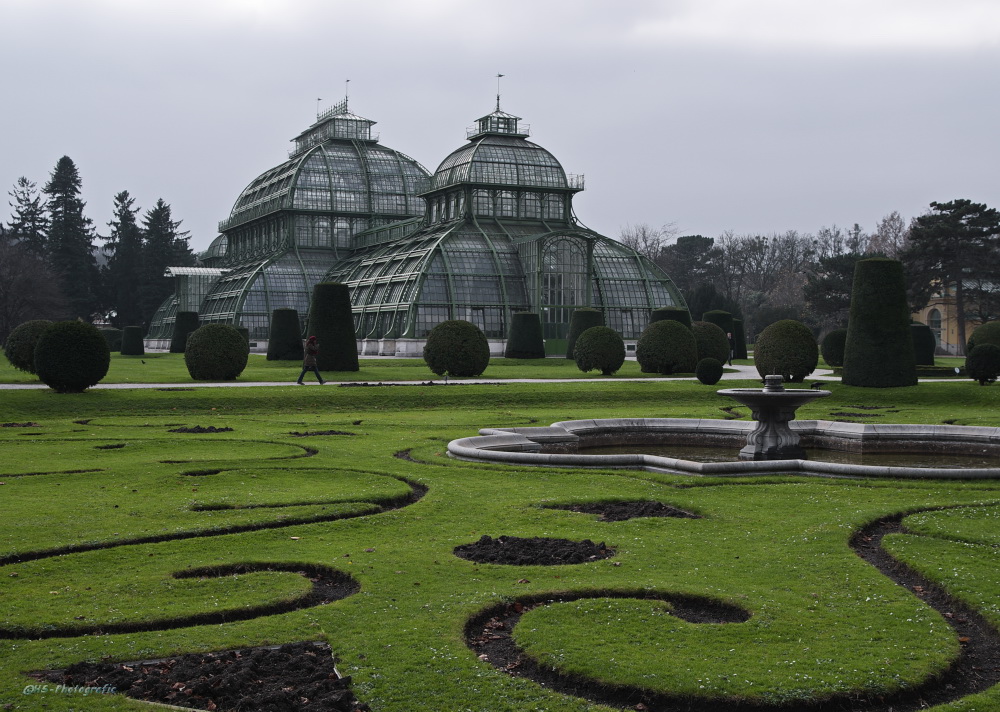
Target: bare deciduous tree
(648, 241)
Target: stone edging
(557, 446)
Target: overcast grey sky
(755, 116)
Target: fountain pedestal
(773, 408)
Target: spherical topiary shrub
(185, 323)
(525, 337)
(216, 352)
(582, 320)
(708, 371)
(601, 348)
(740, 337)
(20, 345)
(285, 340)
(988, 333)
(113, 337)
(332, 323)
(132, 344)
(983, 363)
(666, 347)
(672, 314)
(924, 344)
(786, 348)
(457, 348)
(879, 348)
(711, 340)
(71, 356)
(832, 347)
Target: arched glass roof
(339, 177)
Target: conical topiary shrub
(332, 323)
(924, 344)
(582, 320)
(832, 347)
(879, 348)
(525, 337)
(722, 319)
(285, 340)
(132, 344)
(671, 313)
(740, 338)
(184, 324)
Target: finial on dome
(499, 76)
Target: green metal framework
(498, 236)
(291, 223)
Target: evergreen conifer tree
(29, 225)
(164, 245)
(70, 248)
(123, 275)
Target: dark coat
(312, 351)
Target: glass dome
(295, 221)
(498, 236)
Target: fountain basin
(773, 408)
(563, 444)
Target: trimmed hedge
(185, 323)
(740, 336)
(722, 319)
(711, 340)
(786, 348)
(709, 371)
(666, 347)
(988, 333)
(71, 356)
(671, 313)
(525, 338)
(924, 344)
(983, 363)
(132, 344)
(457, 348)
(20, 345)
(113, 336)
(216, 352)
(879, 348)
(601, 348)
(581, 320)
(285, 340)
(832, 347)
(332, 323)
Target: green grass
(823, 621)
(170, 368)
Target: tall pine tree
(950, 248)
(28, 226)
(164, 245)
(123, 275)
(70, 248)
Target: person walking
(309, 362)
(732, 346)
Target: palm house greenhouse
(490, 233)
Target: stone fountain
(773, 408)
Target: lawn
(101, 506)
